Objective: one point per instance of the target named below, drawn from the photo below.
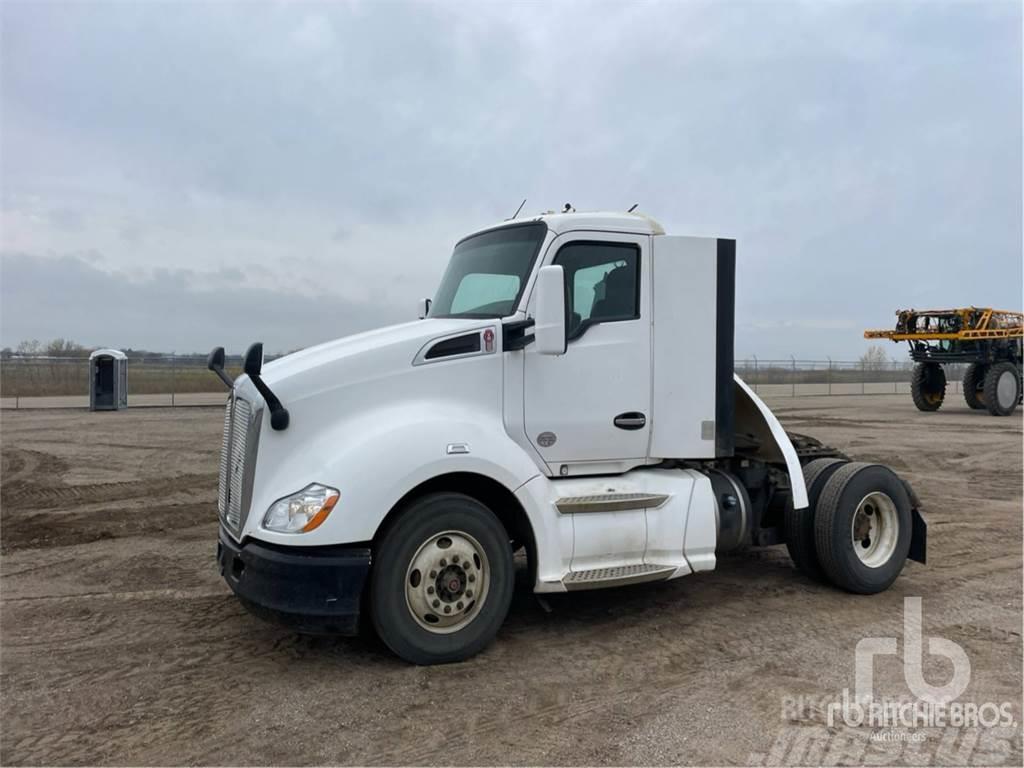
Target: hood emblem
(546, 439)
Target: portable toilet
(108, 380)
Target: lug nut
(472, 577)
(443, 562)
(459, 605)
(447, 609)
(469, 593)
(433, 574)
(436, 603)
(455, 558)
(430, 590)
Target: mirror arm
(515, 336)
(279, 416)
(215, 362)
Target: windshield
(487, 272)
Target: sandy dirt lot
(119, 644)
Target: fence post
(863, 375)
(174, 375)
(755, 373)
(792, 382)
(894, 377)
(829, 378)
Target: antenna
(568, 208)
(633, 208)
(518, 209)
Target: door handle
(630, 420)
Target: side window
(603, 281)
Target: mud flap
(918, 529)
(918, 538)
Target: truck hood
(359, 357)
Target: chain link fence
(179, 380)
(793, 377)
(36, 381)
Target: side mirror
(254, 360)
(424, 308)
(549, 323)
(215, 362)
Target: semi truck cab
(568, 392)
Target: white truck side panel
(681, 532)
(702, 526)
(683, 380)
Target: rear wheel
(928, 386)
(799, 523)
(442, 580)
(1002, 389)
(974, 385)
(863, 527)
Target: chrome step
(609, 502)
(617, 576)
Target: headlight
(303, 511)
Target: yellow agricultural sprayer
(987, 340)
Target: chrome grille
(237, 460)
(236, 468)
(225, 447)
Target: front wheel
(863, 527)
(1002, 389)
(928, 386)
(974, 385)
(442, 580)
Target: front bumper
(314, 590)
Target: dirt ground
(119, 644)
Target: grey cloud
(861, 153)
(169, 309)
(66, 219)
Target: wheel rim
(1006, 389)
(446, 582)
(875, 530)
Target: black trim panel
(515, 335)
(725, 330)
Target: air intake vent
(460, 345)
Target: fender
(412, 437)
(753, 416)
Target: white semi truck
(569, 391)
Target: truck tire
(974, 385)
(798, 524)
(1002, 388)
(442, 580)
(928, 386)
(863, 527)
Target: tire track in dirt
(155, 662)
(32, 496)
(20, 467)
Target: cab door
(592, 406)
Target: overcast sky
(180, 176)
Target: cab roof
(603, 221)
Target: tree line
(64, 348)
